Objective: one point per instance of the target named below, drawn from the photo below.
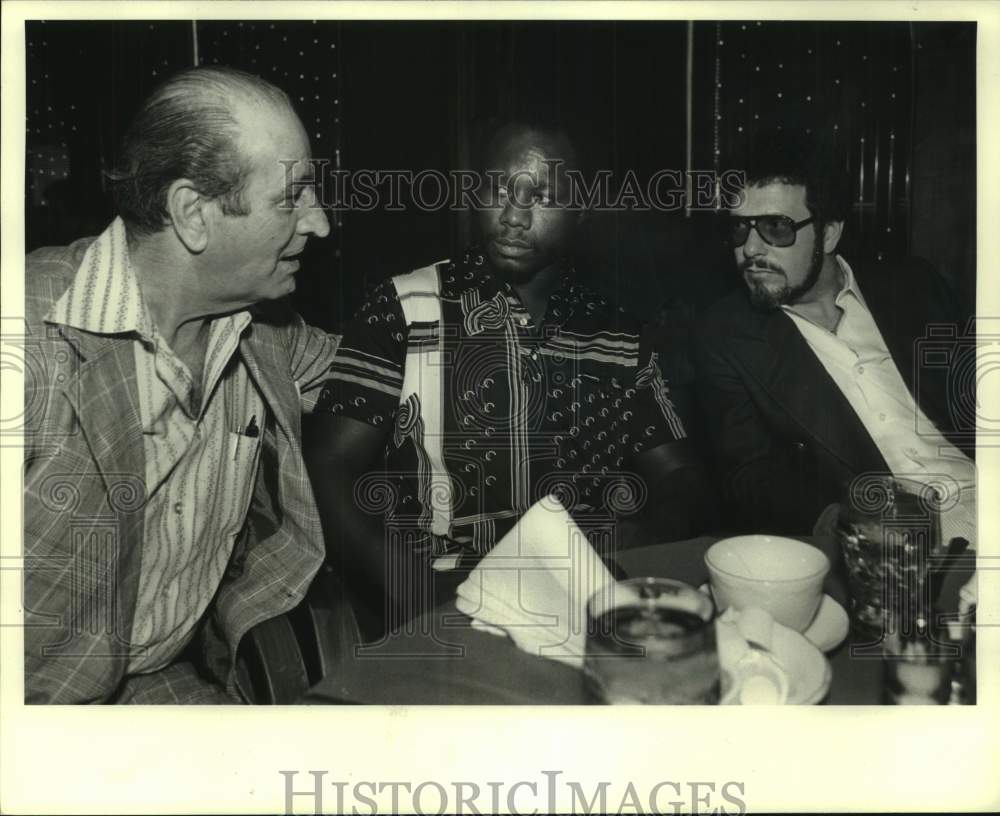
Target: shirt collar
(850, 286)
(849, 290)
(474, 272)
(104, 297)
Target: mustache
(748, 263)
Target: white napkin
(754, 677)
(534, 584)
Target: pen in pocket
(251, 431)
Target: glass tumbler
(652, 641)
(889, 532)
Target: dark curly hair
(797, 157)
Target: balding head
(189, 128)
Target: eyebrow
(296, 184)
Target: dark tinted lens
(739, 229)
(776, 230)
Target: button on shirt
(856, 357)
(199, 463)
(523, 411)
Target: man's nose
(514, 216)
(312, 217)
(754, 244)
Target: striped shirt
(484, 414)
(200, 461)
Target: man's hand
(678, 500)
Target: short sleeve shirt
(502, 412)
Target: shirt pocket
(240, 472)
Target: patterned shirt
(200, 462)
(485, 413)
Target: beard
(770, 297)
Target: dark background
(899, 99)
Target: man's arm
(346, 441)
(769, 484)
(341, 452)
(678, 496)
(177, 684)
(312, 353)
(676, 485)
(345, 457)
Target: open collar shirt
(201, 452)
(856, 357)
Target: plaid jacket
(84, 494)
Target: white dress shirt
(857, 358)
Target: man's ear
(188, 216)
(831, 236)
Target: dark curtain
(84, 80)
(408, 95)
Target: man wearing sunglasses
(811, 379)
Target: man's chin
(513, 270)
(767, 299)
(282, 290)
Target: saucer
(807, 670)
(829, 627)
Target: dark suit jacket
(784, 438)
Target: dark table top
(440, 659)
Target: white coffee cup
(780, 575)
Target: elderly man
(808, 376)
(490, 381)
(167, 509)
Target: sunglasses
(776, 230)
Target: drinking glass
(652, 641)
(918, 669)
(888, 530)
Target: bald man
(167, 508)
